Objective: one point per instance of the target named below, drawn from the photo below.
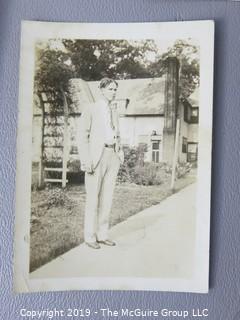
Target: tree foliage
(188, 56)
(52, 73)
(119, 59)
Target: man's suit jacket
(91, 134)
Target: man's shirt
(109, 130)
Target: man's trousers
(99, 189)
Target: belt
(110, 145)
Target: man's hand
(89, 169)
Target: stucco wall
(193, 133)
(135, 130)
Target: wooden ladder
(64, 169)
(63, 180)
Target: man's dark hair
(105, 82)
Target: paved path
(157, 242)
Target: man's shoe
(107, 242)
(93, 245)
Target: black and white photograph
(114, 156)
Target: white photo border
(203, 31)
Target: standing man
(100, 155)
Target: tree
(188, 56)
(52, 73)
(119, 59)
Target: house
(148, 111)
(189, 119)
(141, 109)
(148, 108)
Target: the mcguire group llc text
(198, 313)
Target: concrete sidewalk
(157, 242)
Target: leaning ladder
(64, 170)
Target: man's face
(109, 92)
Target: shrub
(56, 197)
(149, 174)
(132, 158)
(183, 168)
(134, 170)
(74, 165)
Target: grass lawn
(58, 215)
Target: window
(155, 151)
(194, 115)
(192, 154)
(155, 145)
(184, 145)
(191, 114)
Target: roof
(145, 96)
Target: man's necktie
(111, 106)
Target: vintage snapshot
(114, 156)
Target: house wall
(193, 132)
(189, 131)
(135, 130)
(184, 128)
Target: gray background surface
(223, 300)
